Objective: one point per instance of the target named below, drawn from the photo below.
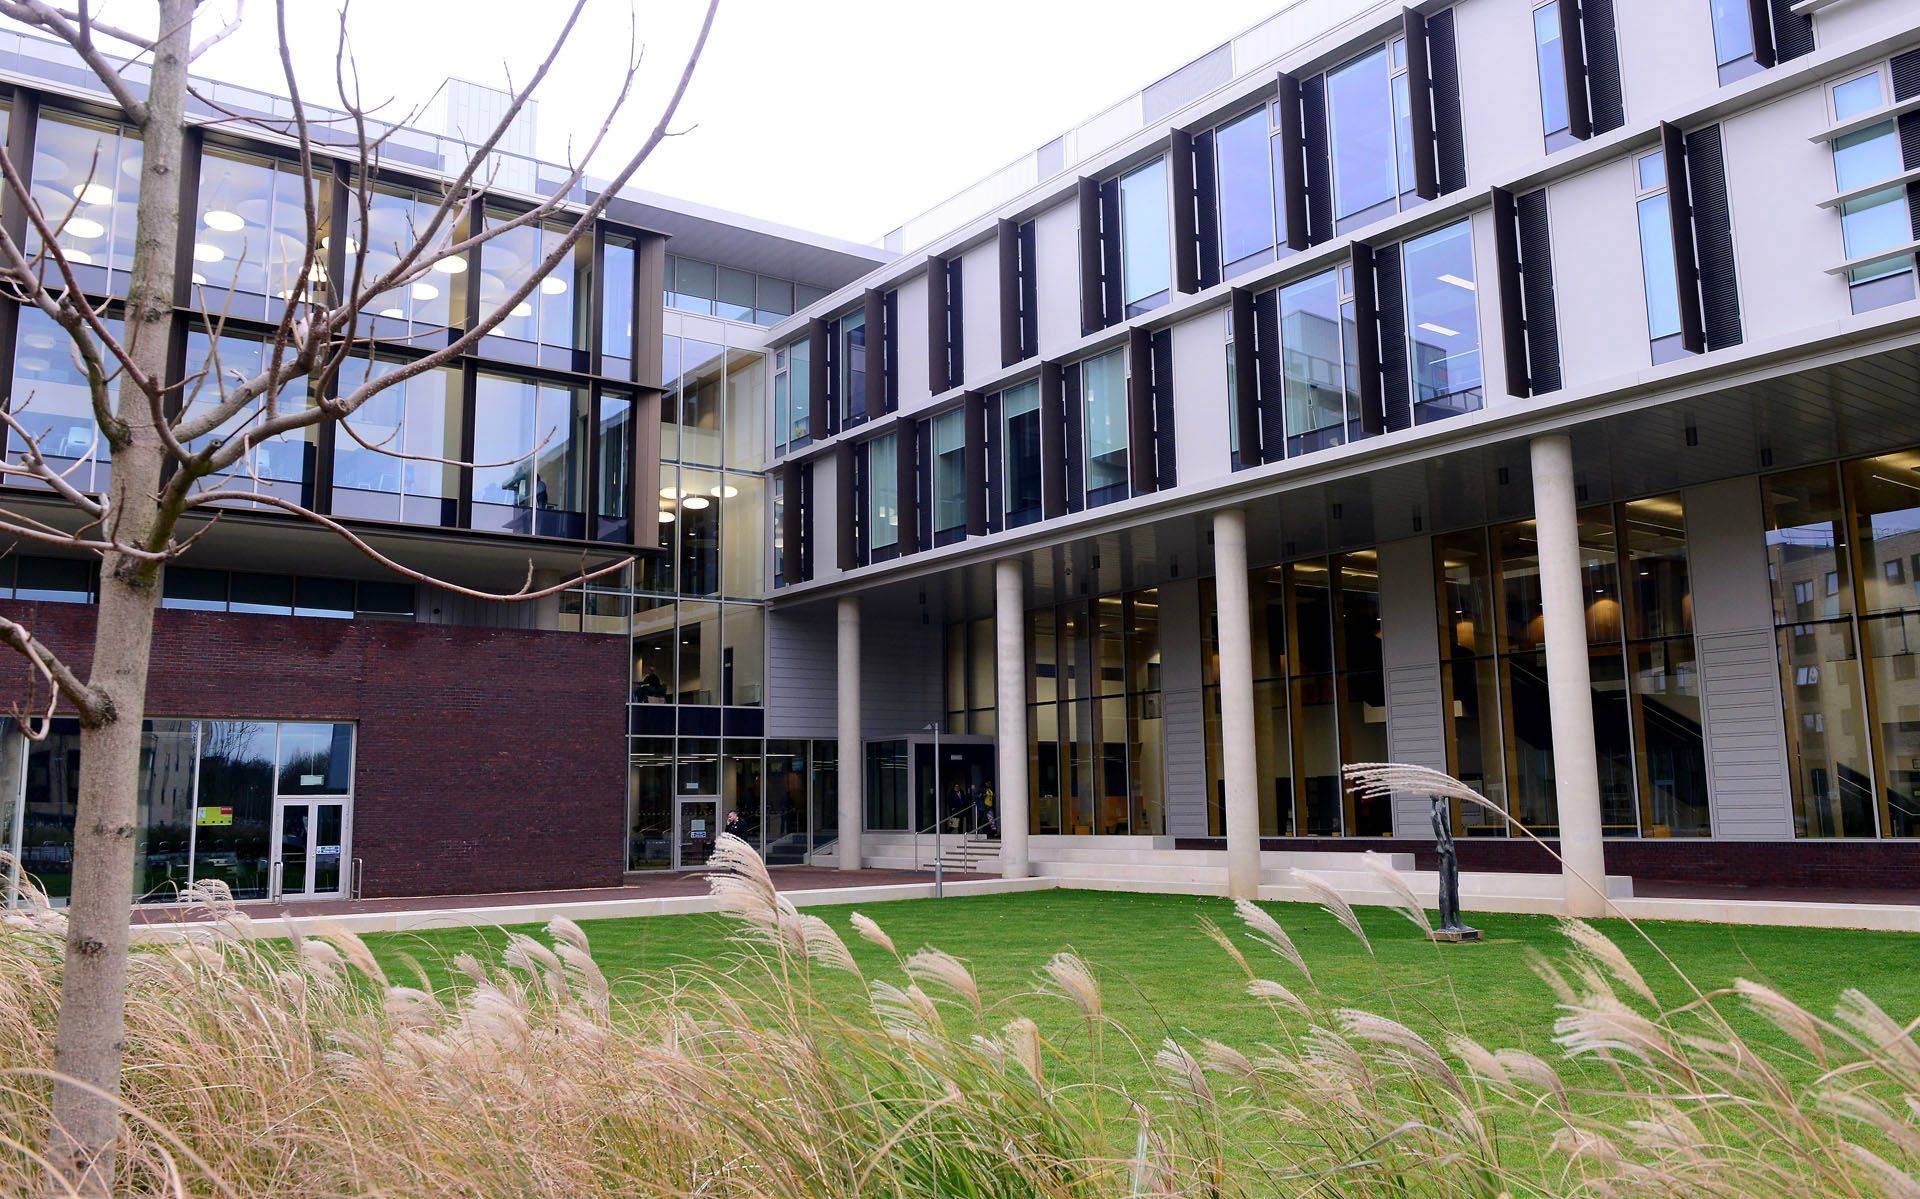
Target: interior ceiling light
(202, 252)
(1442, 330)
(224, 221)
(93, 193)
(79, 257)
(666, 517)
(424, 291)
(452, 265)
(697, 502)
(669, 493)
(523, 309)
(395, 313)
(84, 229)
(726, 491)
(551, 286)
(1457, 281)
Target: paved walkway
(663, 886)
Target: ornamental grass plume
(309, 1068)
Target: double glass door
(309, 839)
(696, 825)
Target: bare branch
(77, 33)
(91, 706)
(221, 34)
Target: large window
(1020, 422)
(256, 805)
(1656, 258)
(1843, 549)
(546, 315)
(250, 234)
(1146, 253)
(1646, 694)
(396, 461)
(853, 367)
(1550, 57)
(92, 168)
(1244, 153)
(703, 288)
(617, 265)
(1877, 222)
(1103, 383)
(1315, 382)
(1443, 323)
(883, 494)
(397, 217)
(948, 435)
(1733, 38)
(53, 402)
(281, 466)
(530, 455)
(792, 396)
(1370, 123)
(1096, 750)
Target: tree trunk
(89, 1039)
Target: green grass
(1161, 976)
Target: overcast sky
(845, 117)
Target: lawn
(1161, 976)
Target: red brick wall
(487, 759)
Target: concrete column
(1010, 714)
(1576, 769)
(853, 773)
(1236, 703)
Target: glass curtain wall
(1095, 743)
(1843, 555)
(1646, 693)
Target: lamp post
(939, 883)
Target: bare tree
(175, 462)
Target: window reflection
(86, 180)
(250, 233)
(546, 315)
(1104, 395)
(530, 450)
(1443, 323)
(1020, 422)
(396, 218)
(281, 466)
(404, 428)
(1365, 181)
(53, 402)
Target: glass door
(695, 827)
(309, 849)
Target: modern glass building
(1528, 390)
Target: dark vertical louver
(923, 493)
(1293, 178)
(1573, 64)
(1029, 291)
(819, 402)
(1449, 139)
(1366, 320)
(1092, 288)
(1270, 385)
(890, 346)
(1506, 258)
(1074, 425)
(1396, 405)
(1053, 441)
(1165, 470)
(806, 521)
(1318, 160)
(974, 417)
(956, 327)
(1180, 176)
(1141, 468)
(1113, 297)
(1206, 209)
(937, 345)
(792, 511)
(875, 303)
(1536, 285)
(846, 503)
(1413, 29)
(1713, 235)
(1792, 31)
(1686, 267)
(1007, 244)
(1602, 50)
(909, 449)
(1246, 391)
(1906, 85)
(1762, 26)
(995, 460)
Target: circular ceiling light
(523, 309)
(199, 280)
(79, 257)
(551, 286)
(395, 313)
(93, 193)
(725, 491)
(669, 493)
(697, 502)
(224, 221)
(84, 229)
(666, 517)
(451, 266)
(424, 291)
(202, 252)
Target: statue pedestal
(1454, 936)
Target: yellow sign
(206, 817)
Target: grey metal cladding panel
(1190, 82)
(1184, 725)
(1745, 734)
(900, 676)
(802, 688)
(1417, 735)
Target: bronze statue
(1450, 927)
